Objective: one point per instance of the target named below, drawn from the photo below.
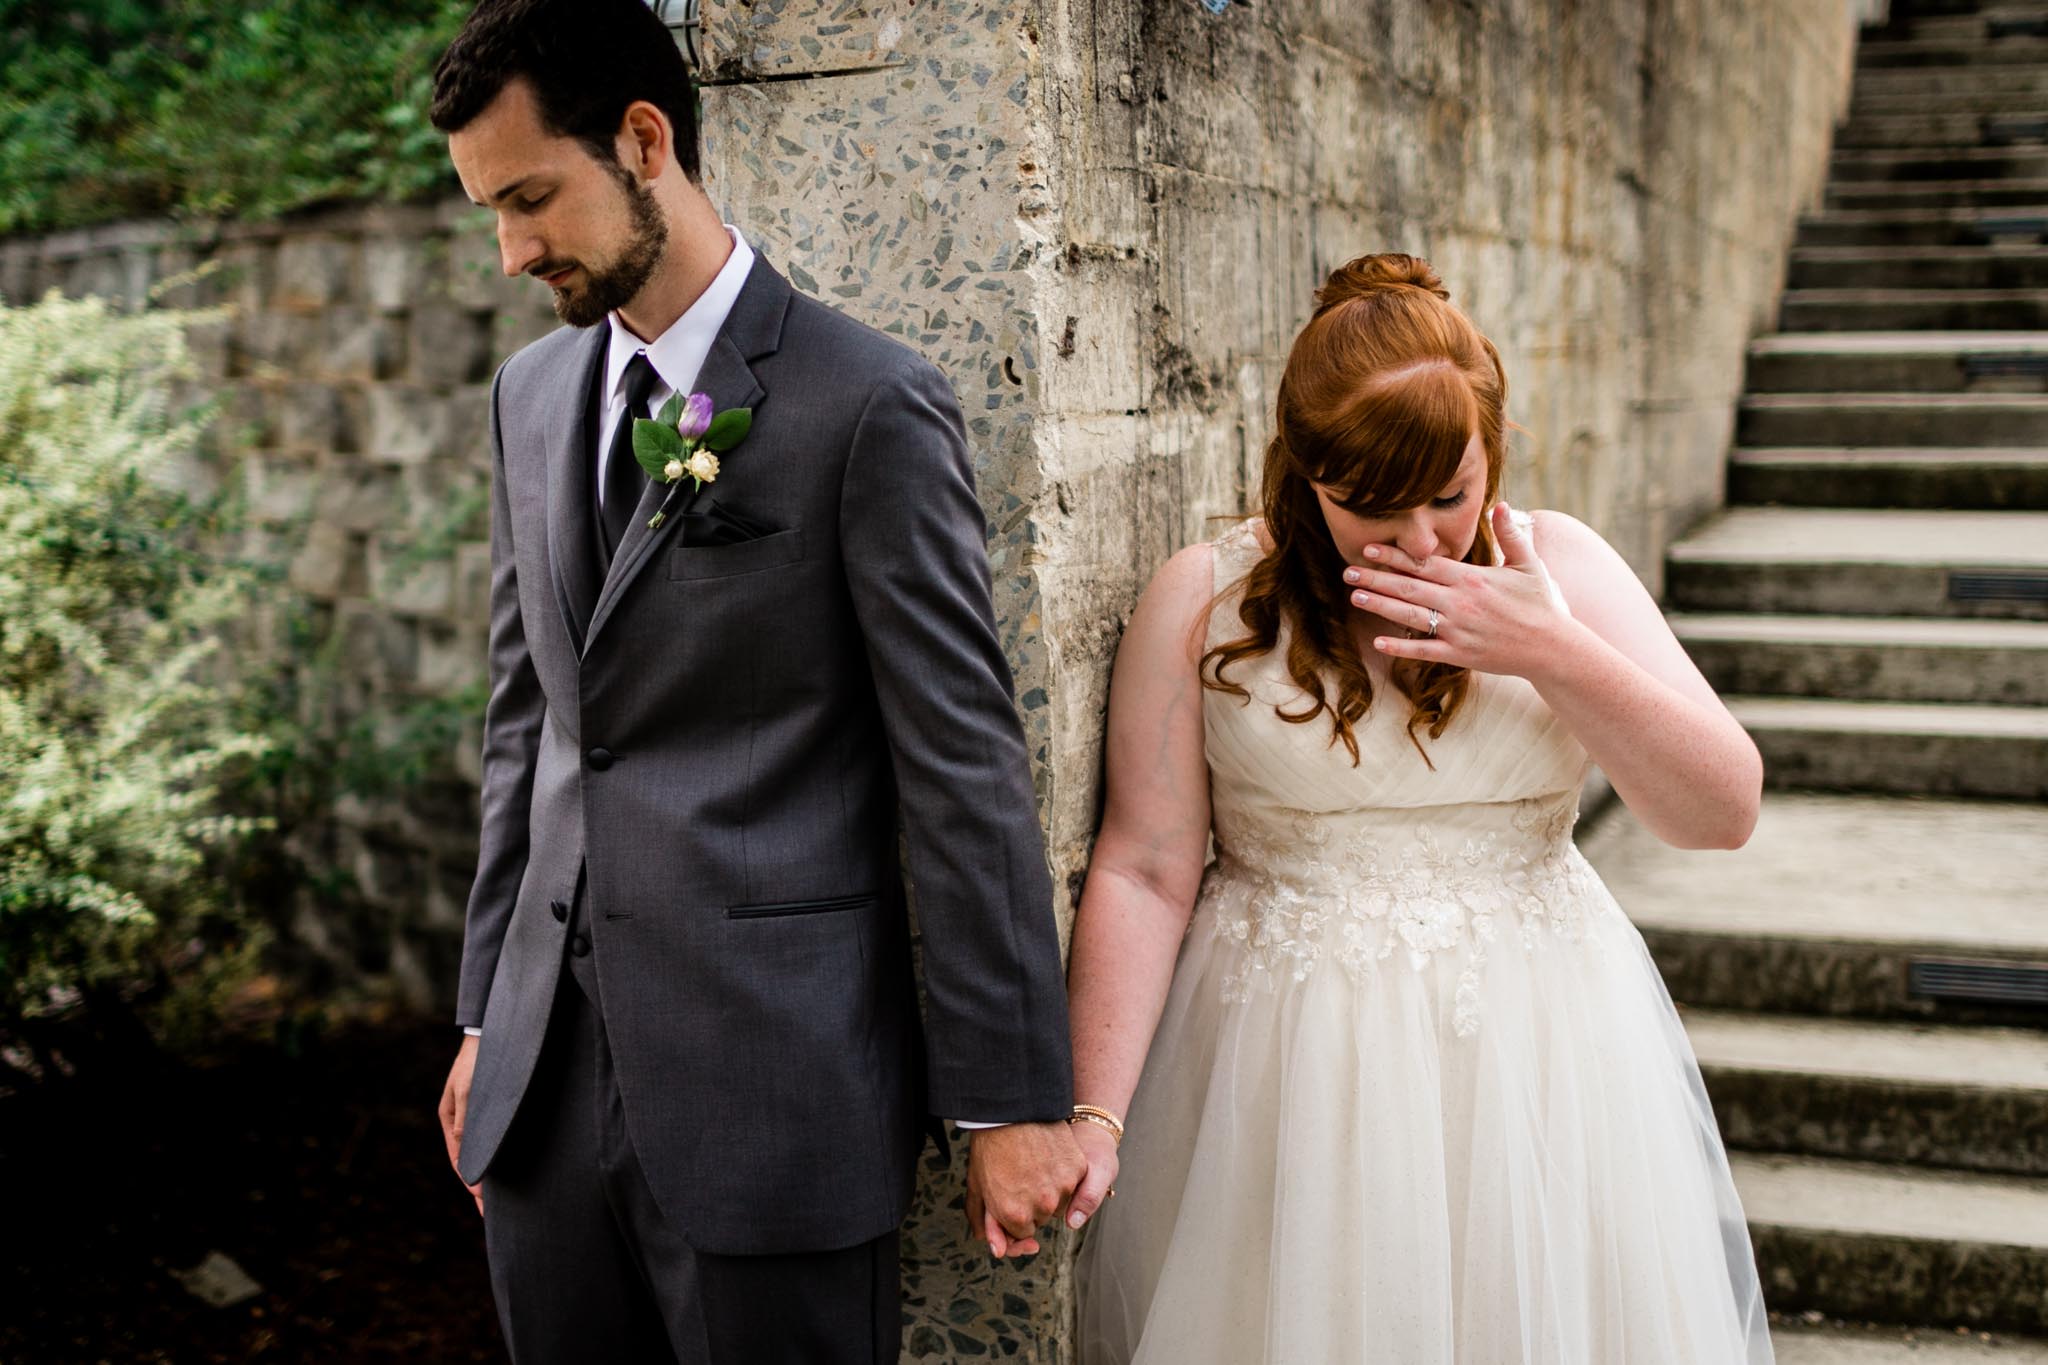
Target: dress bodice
(1318, 859)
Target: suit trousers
(585, 1268)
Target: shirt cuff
(971, 1126)
(472, 1030)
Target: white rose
(703, 465)
(672, 471)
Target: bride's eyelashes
(1456, 499)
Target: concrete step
(1889, 310)
(1893, 419)
(1864, 563)
(1934, 194)
(2020, 44)
(1905, 748)
(2011, 225)
(1898, 1244)
(1994, 85)
(1898, 362)
(1910, 267)
(1870, 658)
(1950, 163)
(1832, 900)
(1991, 23)
(1941, 1095)
(2019, 126)
(1954, 128)
(1821, 1344)
(1932, 477)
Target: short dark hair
(586, 60)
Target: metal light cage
(687, 18)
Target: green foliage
(215, 107)
(116, 732)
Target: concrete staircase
(1866, 984)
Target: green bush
(241, 108)
(117, 727)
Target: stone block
(357, 496)
(330, 563)
(448, 344)
(272, 343)
(404, 580)
(395, 270)
(473, 276)
(279, 491)
(244, 418)
(472, 605)
(410, 424)
(247, 270)
(513, 329)
(380, 649)
(469, 429)
(451, 657)
(359, 344)
(313, 272)
(310, 418)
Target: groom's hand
(1018, 1176)
(455, 1108)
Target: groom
(696, 1082)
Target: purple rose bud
(695, 418)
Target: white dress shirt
(677, 354)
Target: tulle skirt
(1416, 1163)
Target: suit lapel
(572, 541)
(752, 330)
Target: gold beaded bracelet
(1088, 1113)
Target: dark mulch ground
(320, 1173)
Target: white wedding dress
(1418, 1096)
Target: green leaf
(654, 445)
(728, 429)
(671, 411)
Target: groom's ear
(646, 140)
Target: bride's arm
(1611, 669)
(1148, 856)
(1626, 689)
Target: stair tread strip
(1821, 535)
(1903, 1346)
(1851, 1198)
(1949, 876)
(1901, 632)
(1908, 343)
(1943, 1055)
(1891, 717)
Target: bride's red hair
(1383, 391)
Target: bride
(1402, 1083)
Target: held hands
(1494, 619)
(1018, 1177)
(455, 1108)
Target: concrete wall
(1104, 219)
(1138, 199)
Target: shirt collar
(678, 353)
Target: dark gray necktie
(624, 479)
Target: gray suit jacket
(711, 746)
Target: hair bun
(1375, 274)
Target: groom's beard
(613, 286)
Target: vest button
(561, 911)
(599, 759)
(580, 945)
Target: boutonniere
(684, 440)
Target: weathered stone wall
(1104, 219)
(351, 368)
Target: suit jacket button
(580, 945)
(561, 911)
(600, 759)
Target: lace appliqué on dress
(1292, 898)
